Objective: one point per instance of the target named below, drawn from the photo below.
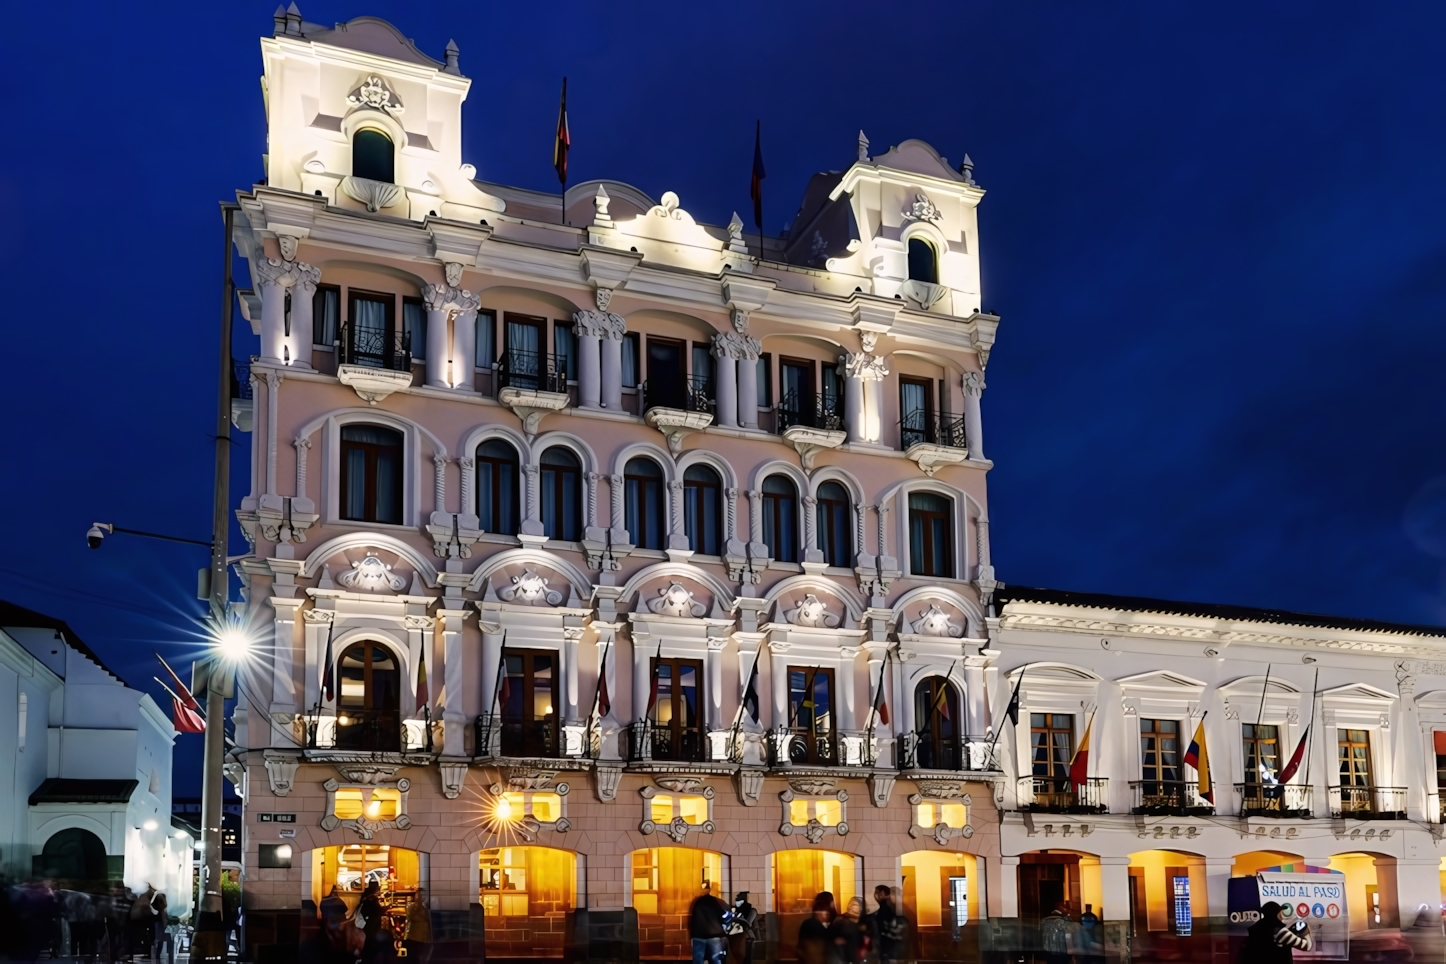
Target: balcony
(495, 735)
(821, 410)
(648, 741)
(1060, 795)
(1169, 798)
(1368, 803)
(798, 746)
(933, 440)
(920, 752)
(693, 394)
(375, 348)
(372, 733)
(530, 371)
(1260, 800)
(241, 400)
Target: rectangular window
(325, 315)
(765, 380)
(528, 699)
(1438, 739)
(564, 349)
(931, 535)
(1261, 751)
(414, 324)
(1051, 740)
(916, 411)
(486, 339)
(677, 711)
(370, 327)
(371, 474)
(630, 360)
(1353, 750)
(1160, 751)
(667, 381)
(810, 715)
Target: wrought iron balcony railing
(1274, 800)
(1175, 798)
(920, 751)
(1368, 803)
(694, 394)
(797, 746)
(530, 370)
(375, 347)
(1062, 795)
(497, 735)
(821, 410)
(654, 741)
(241, 379)
(374, 732)
(933, 428)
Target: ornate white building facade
(537, 501)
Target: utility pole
(210, 940)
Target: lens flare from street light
(233, 643)
(503, 811)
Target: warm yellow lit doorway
(664, 882)
(527, 895)
(798, 876)
(932, 881)
(399, 872)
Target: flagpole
(492, 710)
(1310, 727)
(742, 697)
(999, 730)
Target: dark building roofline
(13, 615)
(59, 790)
(1094, 600)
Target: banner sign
(1318, 899)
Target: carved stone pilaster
(281, 773)
(750, 786)
(454, 776)
(607, 778)
(881, 787)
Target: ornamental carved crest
(920, 209)
(684, 784)
(374, 93)
(530, 589)
(677, 601)
(812, 613)
(371, 574)
(935, 622)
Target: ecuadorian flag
(1198, 758)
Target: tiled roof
(57, 790)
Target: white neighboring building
(85, 766)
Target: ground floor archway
(348, 869)
(663, 881)
(1048, 878)
(1371, 902)
(73, 855)
(527, 895)
(943, 892)
(1168, 891)
(801, 875)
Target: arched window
(703, 510)
(780, 518)
(497, 487)
(371, 474)
(74, 855)
(368, 704)
(834, 531)
(923, 261)
(931, 546)
(645, 504)
(937, 725)
(372, 156)
(561, 494)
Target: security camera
(97, 532)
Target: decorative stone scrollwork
(454, 775)
(935, 622)
(420, 623)
(318, 615)
(374, 194)
(865, 366)
(531, 779)
(530, 589)
(453, 273)
(881, 787)
(667, 207)
(815, 788)
(601, 323)
(921, 209)
(371, 574)
(737, 345)
(281, 773)
(677, 828)
(363, 826)
(750, 786)
(939, 790)
(287, 244)
(607, 778)
(685, 784)
(814, 829)
(449, 297)
(677, 601)
(375, 93)
(812, 613)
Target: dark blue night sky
(1215, 234)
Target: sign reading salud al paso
(1319, 899)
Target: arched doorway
(1371, 900)
(941, 896)
(798, 875)
(1048, 878)
(527, 896)
(75, 855)
(664, 881)
(368, 708)
(937, 722)
(1167, 893)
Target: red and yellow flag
(1079, 767)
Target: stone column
(868, 371)
(748, 350)
(976, 709)
(853, 400)
(756, 547)
(438, 347)
(875, 650)
(1009, 886)
(779, 678)
(1115, 886)
(439, 482)
(713, 716)
(454, 719)
(848, 719)
(973, 419)
(725, 382)
(612, 329)
(1217, 884)
(678, 537)
(811, 551)
(1418, 890)
(491, 660)
(618, 517)
(318, 625)
(589, 366)
(532, 520)
(273, 278)
(299, 340)
(642, 677)
(1408, 761)
(571, 636)
(464, 350)
(283, 655)
(273, 401)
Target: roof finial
(966, 167)
(863, 147)
(279, 18)
(293, 19)
(452, 53)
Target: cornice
(970, 194)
